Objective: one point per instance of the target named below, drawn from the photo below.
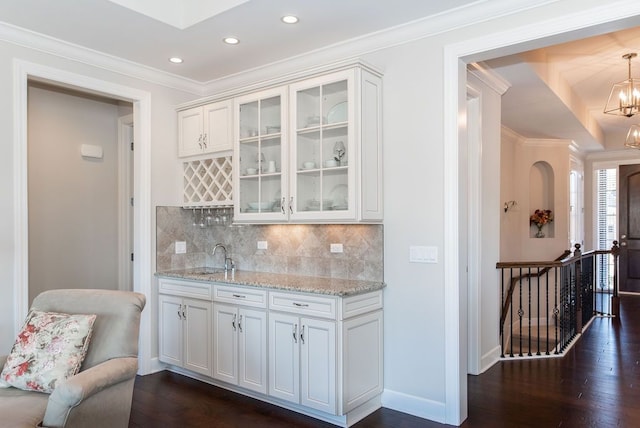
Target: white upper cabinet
(321, 161)
(205, 129)
(260, 158)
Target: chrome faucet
(228, 262)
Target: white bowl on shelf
(330, 163)
(260, 205)
(309, 165)
(251, 171)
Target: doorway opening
(142, 265)
(79, 169)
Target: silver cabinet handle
(282, 206)
(184, 317)
(295, 333)
(233, 322)
(240, 323)
(301, 305)
(302, 334)
(239, 296)
(623, 237)
(204, 141)
(623, 244)
(200, 141)
(179, 314)
(291, 205)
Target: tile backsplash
(300, 249)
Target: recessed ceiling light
(289, 19)
(231, 40)
(175, 60)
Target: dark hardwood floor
(597, 384)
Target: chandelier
(633, 137)
(624, 99)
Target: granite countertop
(307, 284)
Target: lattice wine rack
(208, 182)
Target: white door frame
(125, 201)
(588, 22)
(23, 71)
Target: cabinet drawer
(198, 290)
(317, 306)
(253, 297)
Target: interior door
(629, 227)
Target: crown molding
(489, 77)
(39, 42)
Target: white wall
(510, 190)
(73, 215)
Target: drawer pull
(301, 305)
(239, 296)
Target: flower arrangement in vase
(540, 218)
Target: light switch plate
(263, 245)
(423, 254)
(181, 247)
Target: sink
(206, 271)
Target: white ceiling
(108, 27)
(556, 92)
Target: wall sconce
(509, 205)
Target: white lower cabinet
(302, 361)
(316, 354)
(240, 346)
(325, 352)
(185, 333)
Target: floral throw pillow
(49, 348)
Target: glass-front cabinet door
(260, 167)
(322, 176)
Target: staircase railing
(546, 305)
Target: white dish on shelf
(337, 113)
(259, 205)
(340, 196)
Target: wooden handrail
(559, 261)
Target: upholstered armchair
(100, 394)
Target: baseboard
(416, 406)
(489, 359)
(154, 366)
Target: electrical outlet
(262, 245)
(181, 247)
(336, 248)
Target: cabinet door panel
(362, 359)
(252, 350)
(284, 362)
(218, 126)
(170, 340)
(318, 355)
(225, 335)
(190, 132)
(197, 331)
